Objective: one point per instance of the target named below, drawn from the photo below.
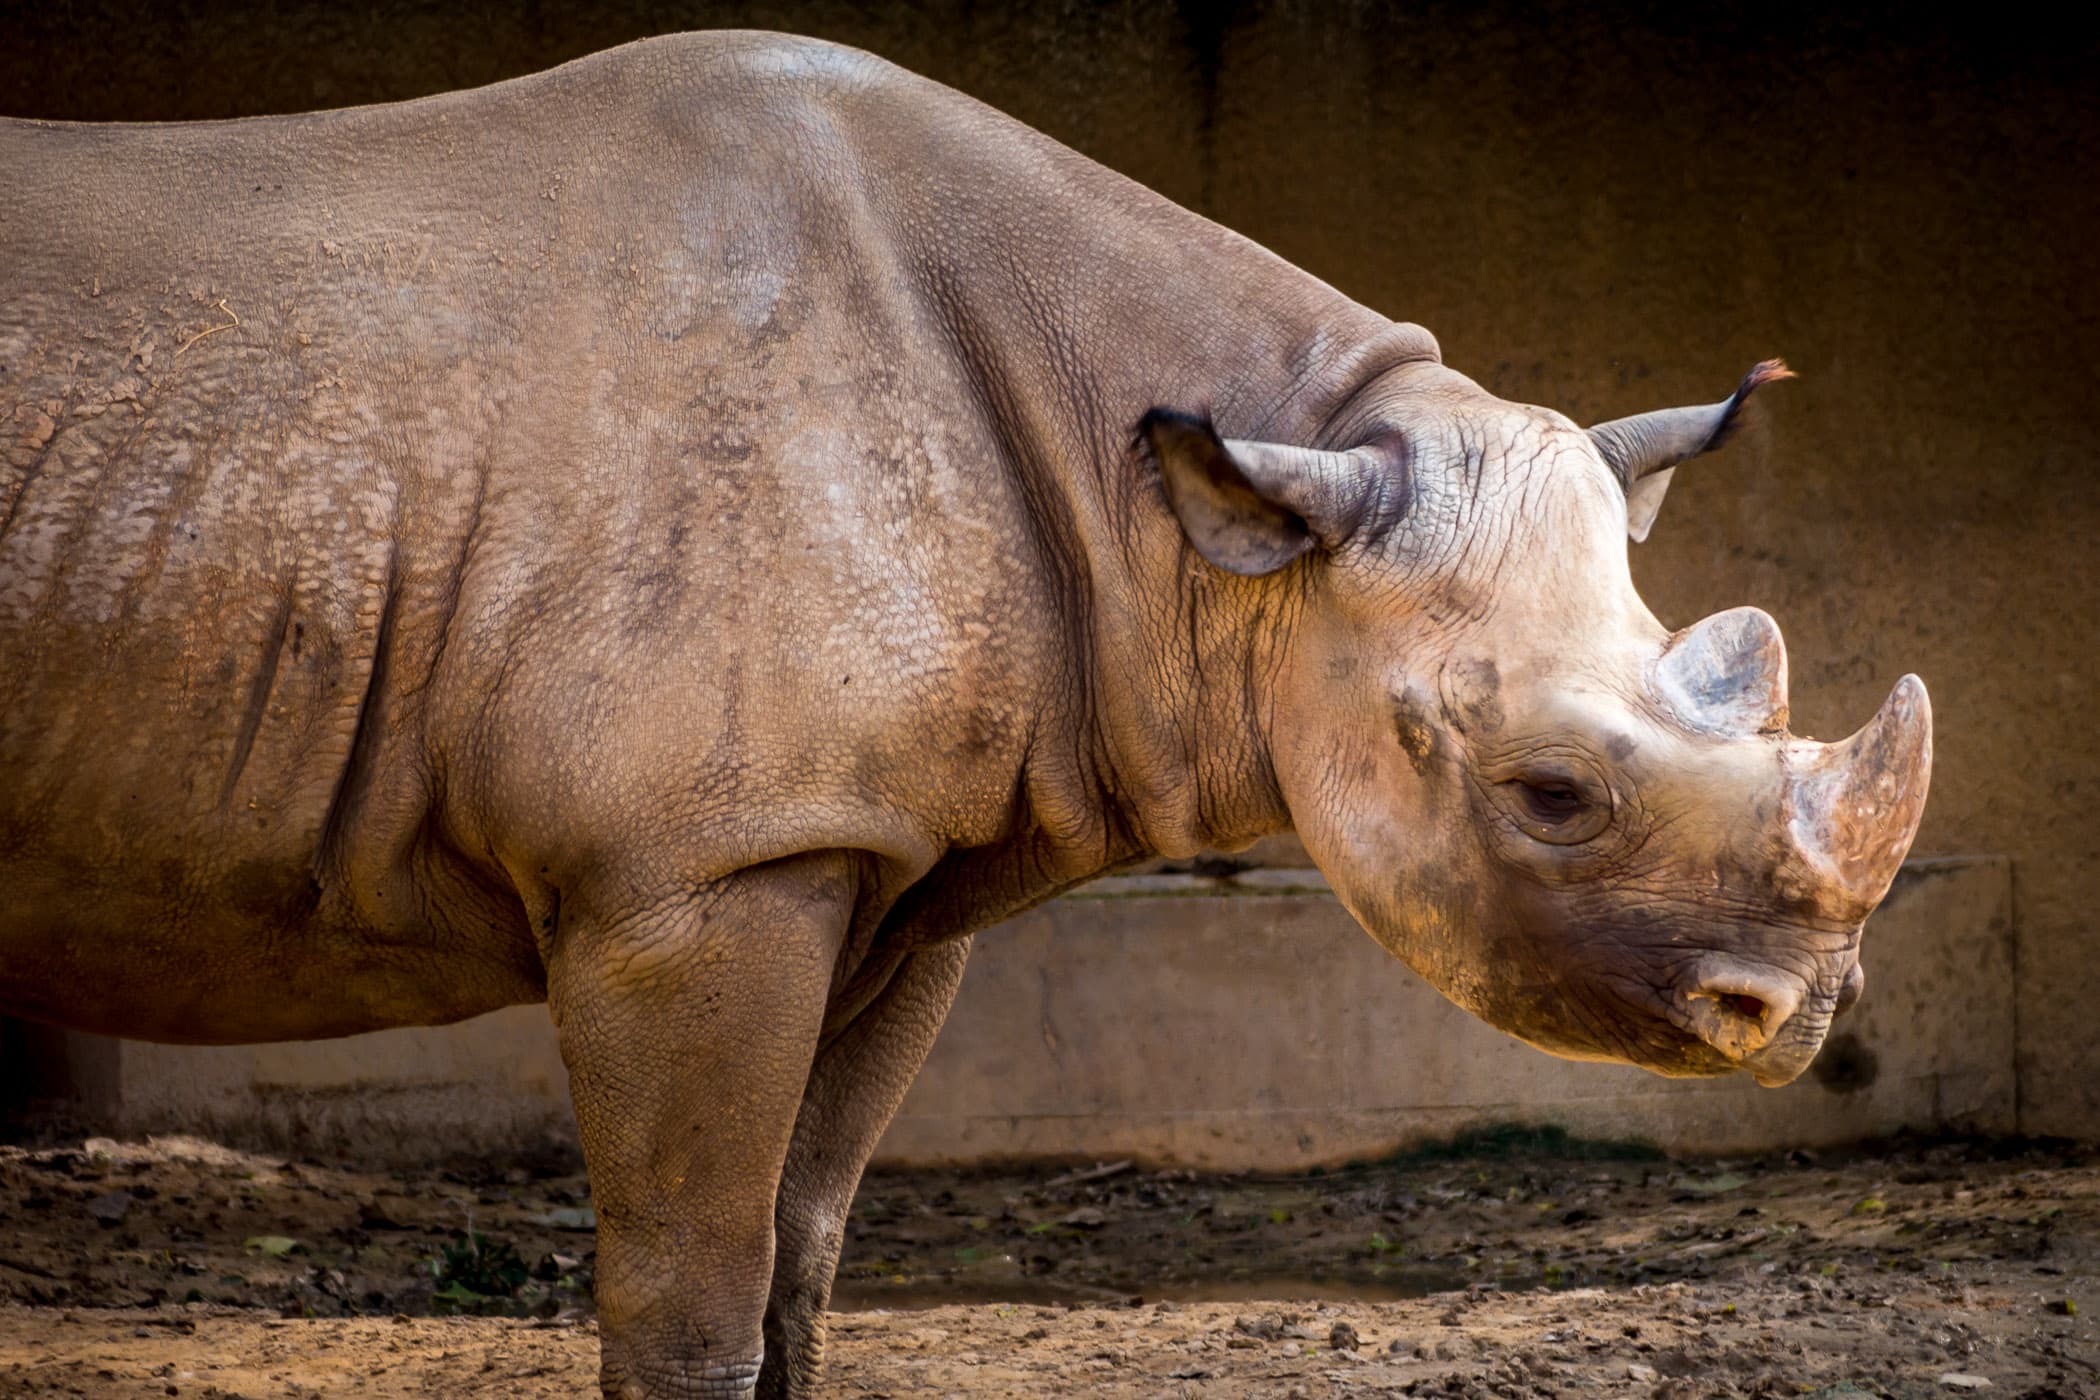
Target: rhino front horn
(1854, 806)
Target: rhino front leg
(688, 1023)
(859, 1079)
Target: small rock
(1085, 1218)
(1400, 1346)
(1961, 1380)
(1343, 1337)
(1292, 1349)
(1636, 1371)
(110, 1207)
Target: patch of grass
(479, 1275)
(1056, 1230)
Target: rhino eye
(1557, 809)
(1552, 802)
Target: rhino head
(1594, 833)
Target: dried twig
(1095, 1173)
(212, 330)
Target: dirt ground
(1511, 1266)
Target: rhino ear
(1643, 450)
(1643, 499)
(1252, 507)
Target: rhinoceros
(690, 536)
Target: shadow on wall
(1602, 209)
(48, 1075)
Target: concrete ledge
(1236, 1022)
(492, 1087)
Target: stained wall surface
(1239, 1022)
(1604, 209)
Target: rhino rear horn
(1252, 507)
(1645, 449)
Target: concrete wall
(1604, 209)
(1239, 1022)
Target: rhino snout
(1758, 1017)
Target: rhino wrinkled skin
(691, 535)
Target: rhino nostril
(1743, 1004)
(1849, 991)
